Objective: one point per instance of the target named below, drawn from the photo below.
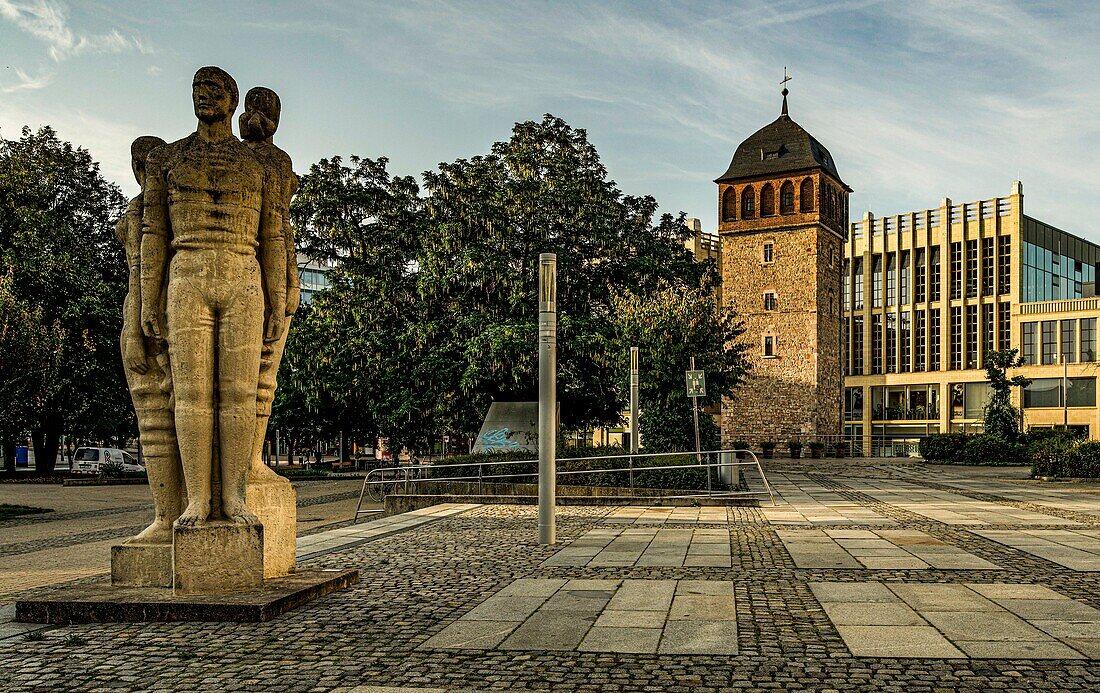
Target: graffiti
(498, 439)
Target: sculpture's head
(260, 119)
(139, 152)
(214, 93)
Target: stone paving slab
(344, 537)
(879, 549)
(669, 547)
(619, 616)
(1077, 549)
(944, 620)
(655, 515)
(805, 501)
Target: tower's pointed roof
(782, 146)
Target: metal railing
(378, 483)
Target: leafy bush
(110, 470)
(990, 450)
(942, 447)
(1065, 456)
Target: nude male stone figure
(212, 198)
(258, 124)
(146, 365)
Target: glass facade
(1047, 392)
(1055, 263)
(1088, 340)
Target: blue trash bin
(22, 458)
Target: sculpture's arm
(293, 281)
(155, 230)
(133, 343)
(273, 259)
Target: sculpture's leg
(158, 443)
(270, 359)
(191, 349)
(240, 338)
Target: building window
(847, 285)
(921, 276)
(857, 345)
(769, 346)
(921, 339)
(1047, 392)
(903, 279)
(786, 198)
(853, 404)
(935, 274)
(748, 202)
(769, 251)
(1029, 340)
(1088, 340)
(956, 337)
(1004, 263)
(876, 281)
(876, 344)
(891, 278)
(891, 343)
(972, 336)
(934, 343)
(770, 302)
(987, 266)
(905, 339)
(971, 268)
(1004, 336)
(1050, 341)
(857, 278)
(806, 196)
(729, 204)
(767, 200)
(956, 270)
(1069, 341)
(988, 331)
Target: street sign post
(696, 388)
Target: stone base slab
(217, 557)
(141, 565)
(103, 603)
(273, 500)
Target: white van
(87, 460)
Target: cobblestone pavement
(789, 634)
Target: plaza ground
(867, 575)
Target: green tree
(30, 352)
(1001, 418)
(57, 217)
(670, 326)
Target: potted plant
(841, 449)
(795, 447)
(740, 446)
(816, 448)
(768, 448)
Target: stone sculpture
(213, 282)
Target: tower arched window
(729, 204)
(786, 198)
(767, 200)
(806, 196)
(748, 202)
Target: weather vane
(786, 77)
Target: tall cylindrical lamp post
(634, 379)
(548, 395)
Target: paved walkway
(869, 576)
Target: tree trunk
(7, 450)
(46, 443)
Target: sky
(916, 100)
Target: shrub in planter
(987, 450)
(768, 448)
(740, 445)
(942, 447)
(841, 449)
(795, 448)
(816, 448)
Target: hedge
(1064, 457)
(943, 447)
(978, 450)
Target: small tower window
(786, 198)
(729, 205)
(769, 346)
(767, 200)
(770, 302)
(748, 203)
(769, 251)
(806, 196)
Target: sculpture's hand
(151, 324)
(275, 322)
(133, 353)
(293, 300)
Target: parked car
(87, 460)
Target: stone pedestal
(217, 557)
(273, 500)
(141, 565)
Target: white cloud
(27, 82)
(48, 21)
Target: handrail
(400, 474)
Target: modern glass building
(928, 294)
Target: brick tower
(783, 220)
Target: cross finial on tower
(786, 78)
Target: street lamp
(548, 395)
